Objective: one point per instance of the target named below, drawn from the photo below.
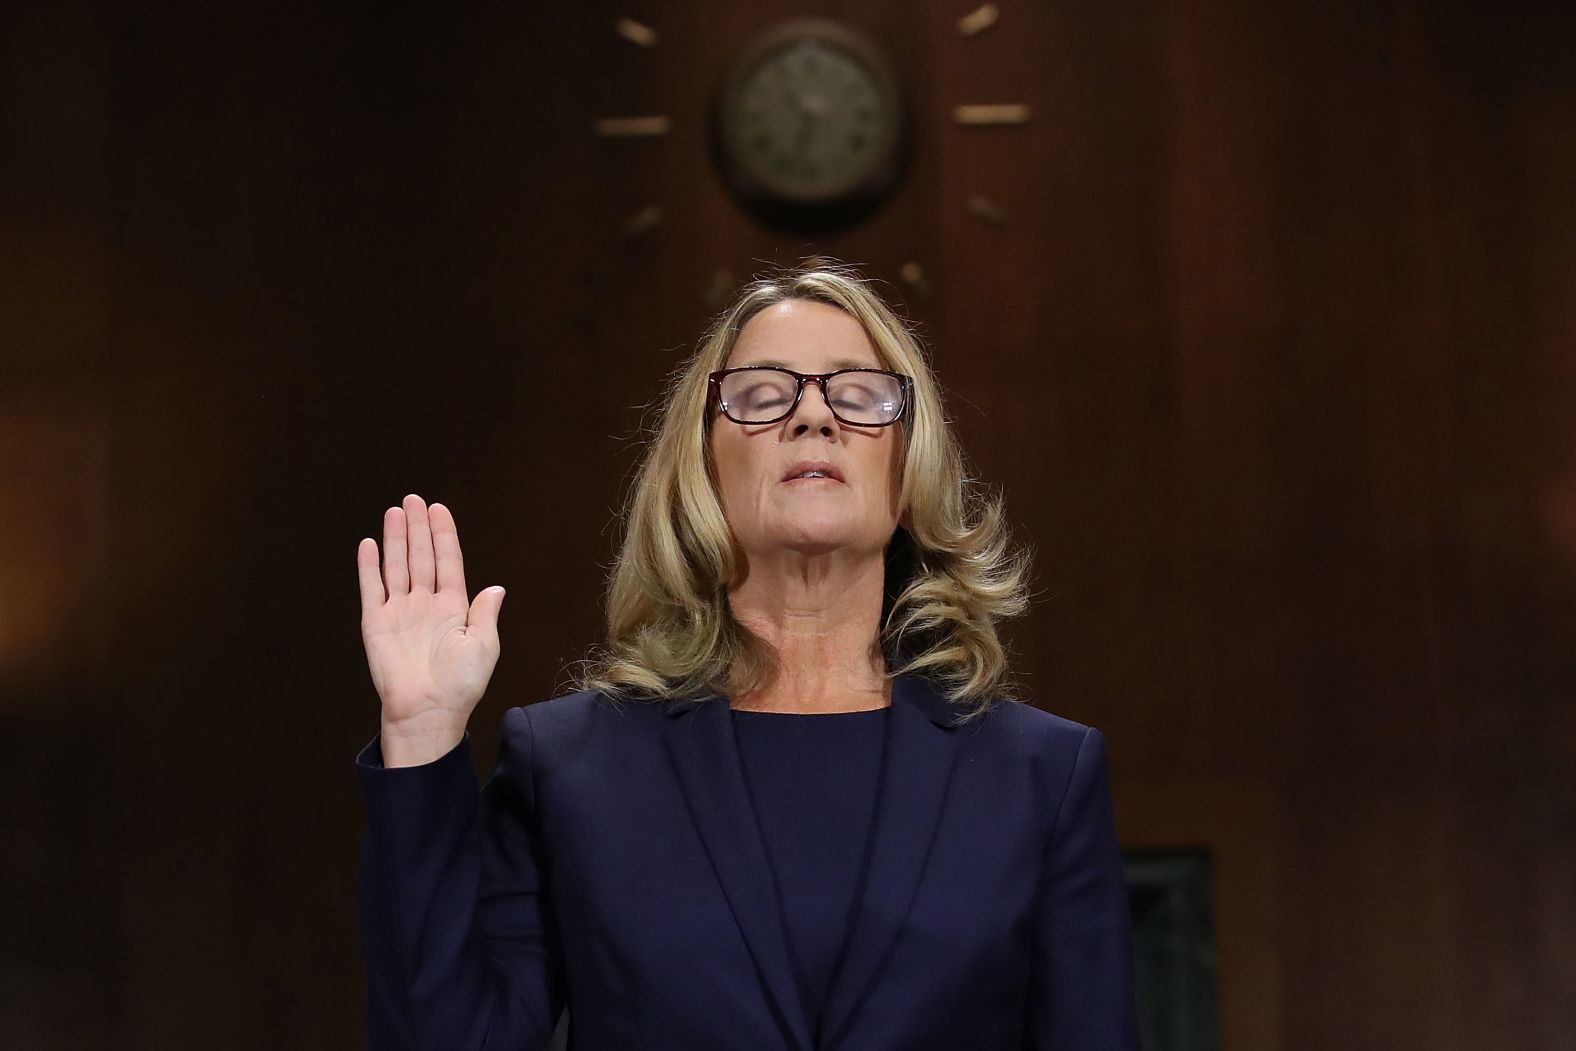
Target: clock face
(810, 116)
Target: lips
(823, 466)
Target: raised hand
(431, 651)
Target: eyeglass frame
(905, 390)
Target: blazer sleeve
(1081, 995)
(457, 930)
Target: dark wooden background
(1273, 359)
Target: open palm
(431, 652)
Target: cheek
(734, 470)
(891, 467)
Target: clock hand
(806, 116)
(802, 139)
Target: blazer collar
(920, 751)
(913, 690)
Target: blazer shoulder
(574, 724)
(1066, 756)
(1037, 730)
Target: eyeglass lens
(765, 395)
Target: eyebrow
(842, 363)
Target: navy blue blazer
(613, 862)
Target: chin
(820, 538)
(816, 546)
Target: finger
(367, 575)
(446, 549)
(482, 620)
(420, 542)
(395, 573)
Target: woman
(789, 806)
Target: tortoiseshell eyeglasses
(755, 394)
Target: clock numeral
(995, 113)
(637, 33)
(642, 221)
(632, 127)
(986, 210)
(978, 20)
(915, 278)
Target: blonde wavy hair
(952, 570)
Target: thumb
(483, 616)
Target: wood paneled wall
(1272, 357)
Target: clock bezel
(762, 197)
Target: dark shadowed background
(1272, 353)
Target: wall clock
(808, 125)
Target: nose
(813, 413)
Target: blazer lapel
(922, 748)
(699, 737)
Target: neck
(822, 616)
